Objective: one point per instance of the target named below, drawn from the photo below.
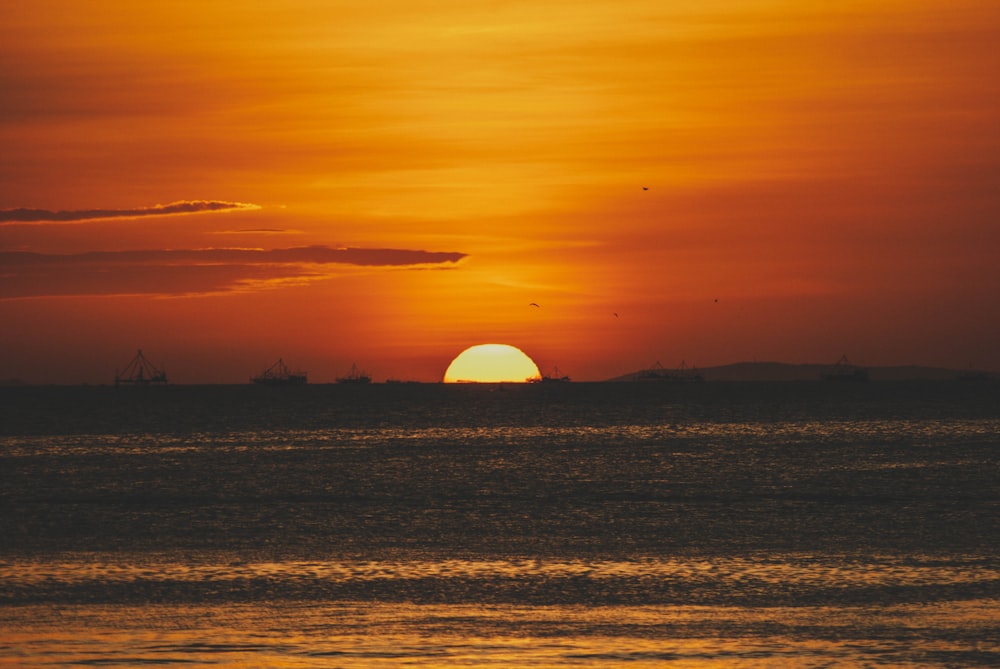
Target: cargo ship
(279, 374)
(140, 372)
(683, 373)
(843, 370)
(355, 376)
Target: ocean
(545, 525)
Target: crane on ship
(279, 374)
(140, 372)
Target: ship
(355, 376)
(555, 377)
(140, 372)
(843, 370)
(279, 374)
(682, 373)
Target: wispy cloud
(189, 271)
(257, 231)
(14, 216)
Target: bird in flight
(534, 304)
(645, 187)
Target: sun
(491, 363)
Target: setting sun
(491, 363)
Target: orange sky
(403, 179)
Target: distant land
(756, 371)
(780, 371)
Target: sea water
(544, 525)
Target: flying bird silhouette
(534, 304)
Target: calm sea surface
(549, 525)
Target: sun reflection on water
(815, 433)
(356, 635)
(631, 537)
(826, 572)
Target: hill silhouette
(780, 371)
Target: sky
(388, 183)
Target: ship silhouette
(279, 374)
(658, 372)
(355, 376)
(843, 370)
(555, 377)
(140, 372)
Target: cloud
(15, 216)
(189, 271)
(257, 231)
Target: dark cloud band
(188, 271)
(299, 255)
(9, 216)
